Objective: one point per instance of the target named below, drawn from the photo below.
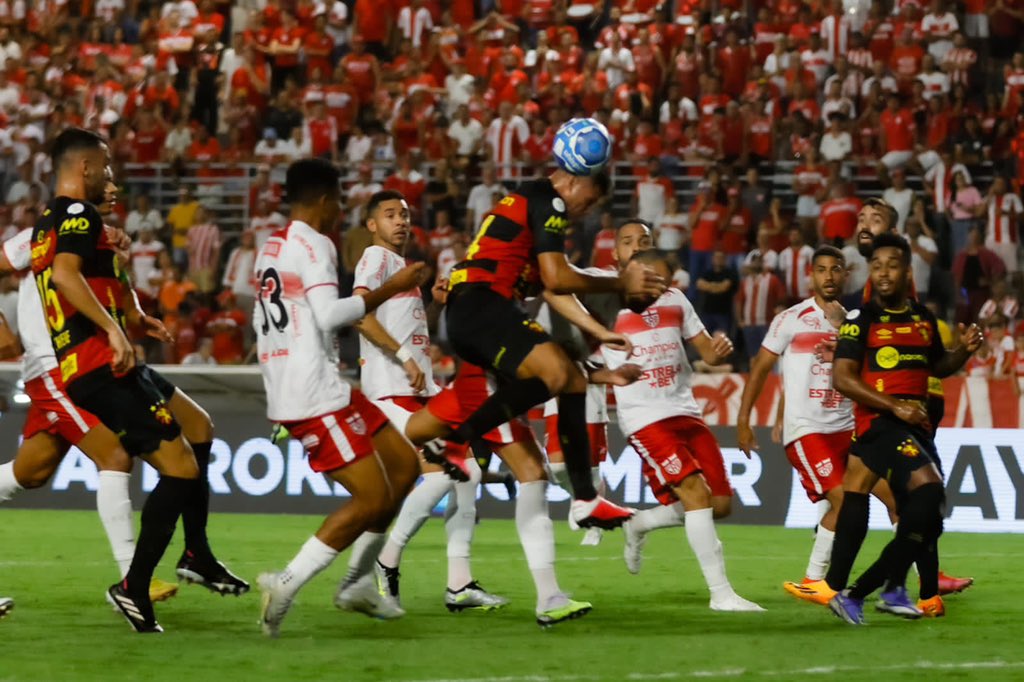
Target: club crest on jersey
(908, 448)
(651, 317)
(824, 468)
(356, 424)
(161, 414)
(672, 465)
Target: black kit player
(886, 353)
(85, 299)
(518, 251)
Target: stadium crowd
(745, 132)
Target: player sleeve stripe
(811, 474)
(339, 439)
(68, 406)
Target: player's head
(876, 217)
(106, 207)
(828, 272)
(313, 192)
(656, 260)
(633, 236)
(579, 192)
(81, 160)
(890, 268)
(387, 218)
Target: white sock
(700, 532)
(365, 551)
(537, 536)
(414, 513)
(646, 520)
(821, 554)
(595, 476)
(559, 475)
(460, 527)
(314, 557)
(8, 483)
(115, 508)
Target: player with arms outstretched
(345, 436)
(519, 250)
(397, 376)
(663, 422)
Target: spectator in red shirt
(322, 133)
(410, 182)
(363, 69)
(161, 93)
(150, 133)
(603, 253)
(286, 45)
(905, 60)
(838, 220)
(706, 219)
(898, 130)
(226, 327)
(318, 45)
(204, 150)
(760, 293)
(733, 61)
(736, 229)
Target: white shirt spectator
(108, 9)
(196, 358)
(941, 26)
(670, 231)
(466, 135)
(144, 265)
(817, 62)
(687, 111)
(887, 84)
(922, 270)
(186, 8)
(505, 140)
(134, 220)
(358, 148)
(480, 201)
(264, 226)
(615, 64)
(902, 201)
(337, 21)
(460, 90)
(836, 147)
(415, 25)
(361, 190)
(935, 83)
(238, 272)
(178, 140)
(857, 270)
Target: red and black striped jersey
(503, 256)
(896, 350)
(73, 226)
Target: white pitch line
(739, 672)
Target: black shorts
(894, 450)
(132, 406)
(491, 331)
(164, 387)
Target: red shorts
(820, 459)
(335, 440)
(464, 396)
(678, 447)
(598, 434)
(53, 412)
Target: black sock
(572, 433)
(928, 569)
(851, 529)
(876, 575)
(159, 516)
(196, 512)
(505, 404)
(923, 516)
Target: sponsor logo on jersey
(883, 333)
(849, 331)
(75, 208)
(908, 448)
(824, 467)
(161, 414)
(672, 465)
(555, 224)
(558, 204)
(74, 226)
(853, 314)
(887, 357)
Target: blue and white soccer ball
(582, 146)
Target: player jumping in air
(887, 352)
(345, 435)
(398, 377)
(75, 268)
(519, 250)
(663, 422)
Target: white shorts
(807, 207)
(976, 26)
(893, 160)
(1008, 252)
(928, 159)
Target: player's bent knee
(35, 478)
(694, 493)
(721, 506)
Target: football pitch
(654, 626)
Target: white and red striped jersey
(144, 265)
(1003, 218)
(795, 268)
(404, 318)
(861, 58)
(758, 296)
(506, 140)
(941, 177)
(958, 63)
(1008, 306)
(203, 245)
(298, 359)
(811, 180)
(835, 34)
(812, 405)
(39, 357)
(415, 25)
(817, 62)
(657, 335)
(238, 273)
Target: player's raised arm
(970, 339)
(569, 307)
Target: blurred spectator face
(796, 237)
(718, 260)
(654, 167)
(899, 179)
(999, 185)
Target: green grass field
(655, 626)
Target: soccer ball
(582, 146)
